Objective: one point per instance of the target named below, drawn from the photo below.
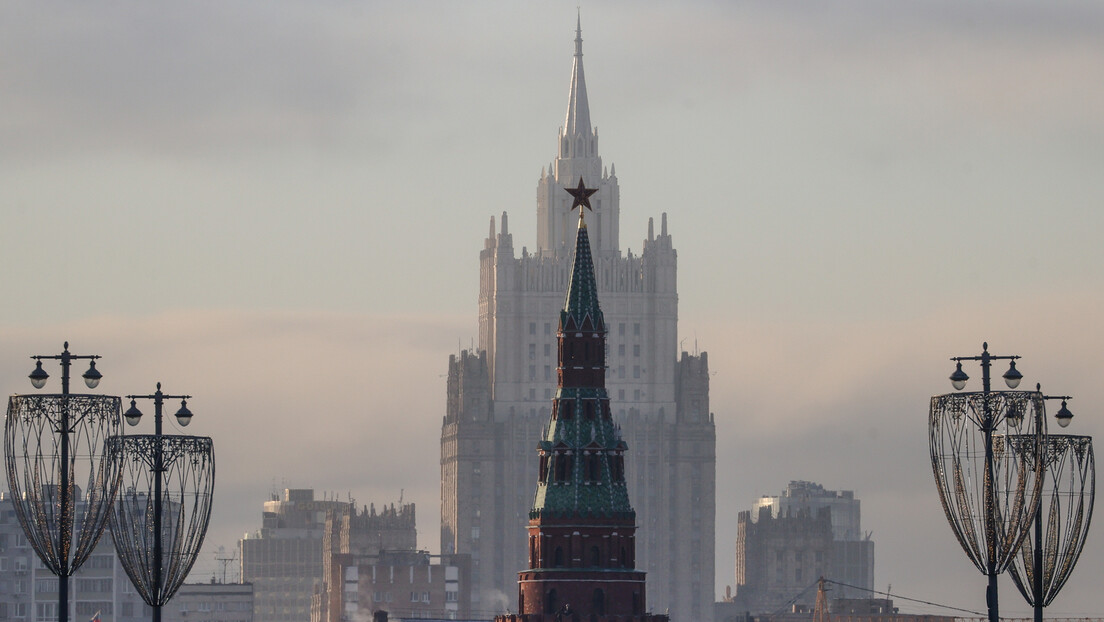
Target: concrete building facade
(210, 602)
(403, 585)
(371, 565)
(29, 591)
(498, 395)
(284, 560)
(788, 541)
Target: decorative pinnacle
(582, 197)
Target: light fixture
(1015, 413)
(183, 416)
(92, 376)
(133, 415)
(959, 377)
(1064, 416)
(1012, 377)
(38, 376)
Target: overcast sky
(277, 207)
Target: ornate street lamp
(1064, 512)
(160, 515)
(52, 442)
(988, 502)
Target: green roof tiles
(582, 472)
(582, 292)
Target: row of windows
(559, 466)
(565, 409)
(621, 350)
(620, 329)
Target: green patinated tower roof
(582, 470)
(582, 292)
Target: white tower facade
(499, 396)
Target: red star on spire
(582, 196)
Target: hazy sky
(278, 206)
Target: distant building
(283, 560)
(28, 591)
(498, 394)
(210, 602)
(791, 540)
(371, 567)
(845, 610)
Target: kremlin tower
(582, 540)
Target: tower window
(566, 409)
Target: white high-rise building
(499, 395)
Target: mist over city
(288, 212)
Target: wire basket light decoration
(989, 508)
(1065, 512)
(62, 516)
(163, 508)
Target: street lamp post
(953, 421)
(46, 439)
(1069, 485)
(161, 473)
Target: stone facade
(371, 564)
(789, 541)
(498, 395)
(852, 558)
(778, 559)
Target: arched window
(550, 601)
(543, 468)
(624, 560)
(595, 557)
(589, 410)
(592, 467)
(557, 558)
(561, 470)
(567, 408)
(599, 606)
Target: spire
(578, 109)
(582, 291)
